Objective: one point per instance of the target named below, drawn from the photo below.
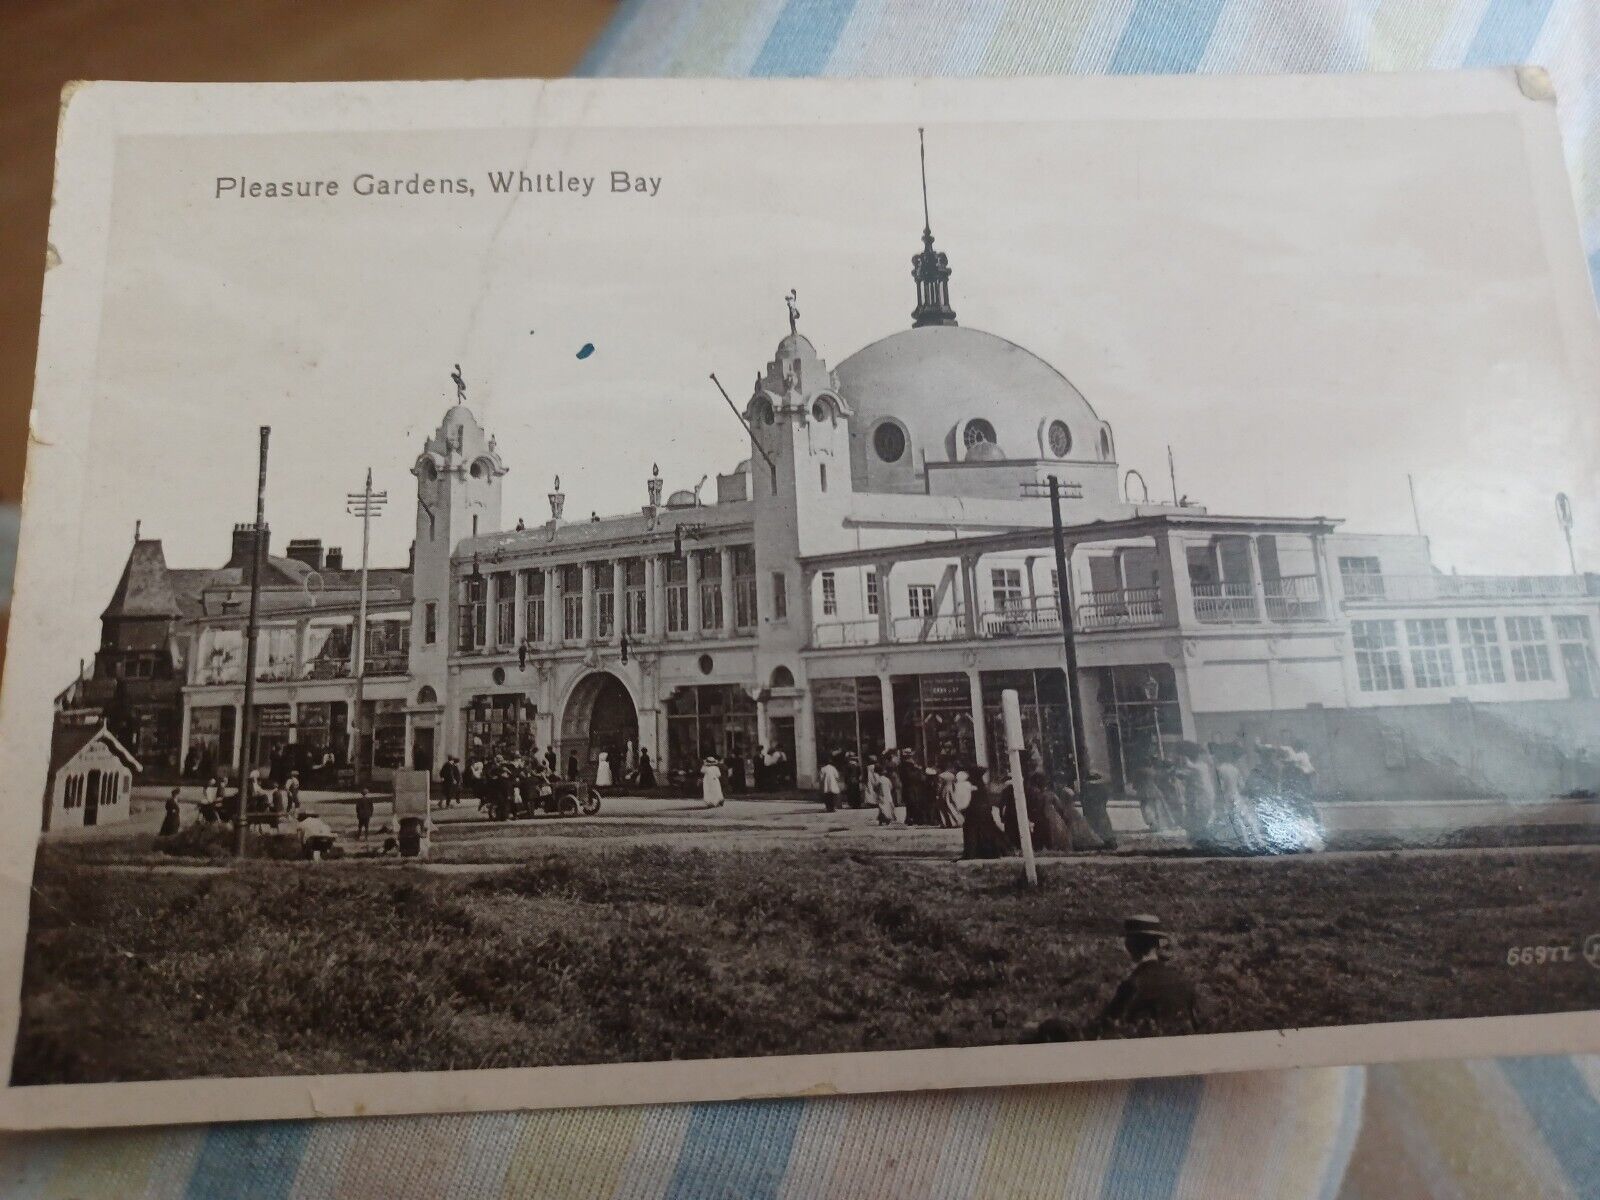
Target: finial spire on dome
(793, 301)
(931, 268)
(461, 384)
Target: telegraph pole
(1080, 746)
(365, 504)
(247, 731)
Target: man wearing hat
(1155, 997)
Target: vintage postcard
(565, 593)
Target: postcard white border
(94, 116)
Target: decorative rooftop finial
(461, 385)
(922, 156)
(137, 525)
(653, 485)
(792, 300)
(931, 268)
(558, 500)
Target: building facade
(875, 574)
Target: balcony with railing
(1103, 611)
(1413, 589)
(1119, 608)
(1287, 598)
(1225, 603)
(1294, 598)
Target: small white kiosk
(90, 780)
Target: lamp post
(1564, 515)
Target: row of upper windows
(1431, 653)
(890, 440)
(921, 598)
(600, 617)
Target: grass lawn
(640, 953)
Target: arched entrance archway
(599, 716)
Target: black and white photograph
(725, 589)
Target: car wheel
(591, 802)
(569, 805)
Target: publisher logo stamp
(1591, 950)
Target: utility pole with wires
(1080, 745)
(247, 716)
(365, 504)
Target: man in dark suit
(1155, 997)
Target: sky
(1305, 311)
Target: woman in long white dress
(711, 783)
(602, 771)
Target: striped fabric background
(1241, 1136)
(1128, 37)
(1499, 1130)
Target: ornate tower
(458, 496)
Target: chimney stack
(244, 542)
(306, 550)
(335, 558)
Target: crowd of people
(1204, 794)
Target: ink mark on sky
(588, 349)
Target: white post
(1019, 793)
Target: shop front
(272, 728)
(211, 734)
(933, 718)
(384, 737)
(321, 740)
(848, 716)
(496, 725)
(1142, 714)
(1046, 720)
(711, 720)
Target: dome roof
(743, 468)
(682, 498)
(936, 380)
(795, 345)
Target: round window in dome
(761, 411)
(977, 430)
(889, 440)
(1060, 439)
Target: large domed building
(878, 572)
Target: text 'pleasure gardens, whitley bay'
(491, 183)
